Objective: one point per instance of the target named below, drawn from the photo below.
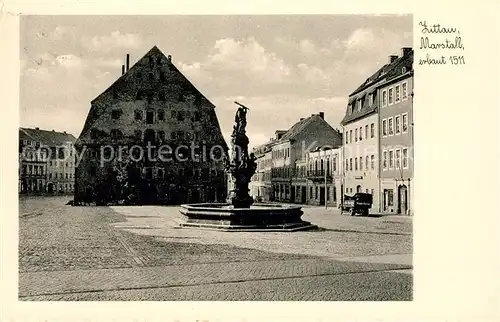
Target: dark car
(360, 203)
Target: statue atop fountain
(242, 165)
(239, 213)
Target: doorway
(402, 199)
(322, 196)
(358, 188)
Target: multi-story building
(396, 139)
(288, 149)
(324, 176)
(47, 161)
(151, 137)
(260, 186)
(363, 131)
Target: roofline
(408, 74)
(375, 111)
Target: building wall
(355, 154)
(318, 189)
(61, 170)
(396, 141)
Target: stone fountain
(240, 213)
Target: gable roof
(50, 138)
(179, 79)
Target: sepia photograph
(216, 157)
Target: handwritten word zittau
(436, 29)
(425, 43)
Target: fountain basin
(259, 217)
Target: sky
(281, 67)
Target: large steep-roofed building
(151, 107)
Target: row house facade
(168, 132)
(372, 151)
(396, 138)
(285, 155)
(46, 161)
(323, 173)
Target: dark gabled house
(151, 107)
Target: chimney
(405, 51)
(65, 132)
(128, 62)
(301, 118)
(123, 69)
(322, 115)
(169, 58)
(392, 58)
(37, 128)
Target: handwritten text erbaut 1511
(442, 45)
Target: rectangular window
(316, 192)
(370, 99)
(404, 89)
(360, 163)
(391, 159)
(367, 163)
(405, 158)
(397, 124)
(384, 98)
(372, 160)
(346, 138)
(372, 130)
(346, 165)
(398, 97)
(398, 158)
(361, 133)
(366, 131)
(405, 123)
(391, 96)
(391, 126)
(150, 117)
(390, 197)
(115, 114)
(360, 104)
(356, 164)
(356, 135)
(350, 164)
(385, 160)
(350, 136)
(384, 127)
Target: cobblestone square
(139, 253)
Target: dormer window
(370, 99)
(360, 104)
(403, 70)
